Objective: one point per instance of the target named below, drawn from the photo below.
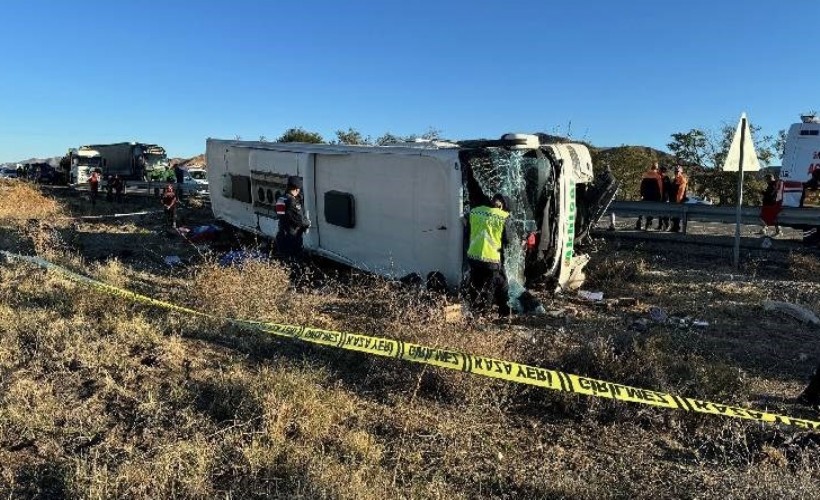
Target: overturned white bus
(399, 210)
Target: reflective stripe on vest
(486, 228)
(280, 206)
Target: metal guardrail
(712, 213)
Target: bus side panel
(282, 165)
(406, 213)
(224, 162)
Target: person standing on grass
(94, 186)
(811, 394)
(119, 187)
(488, 233)
(772, 204)
(293, 223)
(678, 194)
(179, 175)
(651, 190)
(664, 221)
(169, 202)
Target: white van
(399, 210)
(801, 159)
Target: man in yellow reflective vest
(488, 236)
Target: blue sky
(175, 73)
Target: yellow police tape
(454, 360)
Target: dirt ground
(100, 397)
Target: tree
(298, 134)
(432, 134)
(705, 151)
(352, 137)
(709, 148)
(779, 144)
(388, 138)
(690, 147)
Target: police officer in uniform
(488, 235)
(292, 221)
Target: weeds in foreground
(20, 201)
(103, 398)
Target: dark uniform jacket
(770, 194)
(292, 225)
(651, 186)
(667, 188)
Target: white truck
(84, 161)
(399, 210)
(801, 160)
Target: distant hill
(628, 163)
(196, 161)
(54, 161)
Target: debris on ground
(591, 296)
(626, 302)
(658, 315)
(795, 311)
(201, 234)
(699, 323)
(173, 260)
(611, 304)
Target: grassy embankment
(103, 398)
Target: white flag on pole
(750, 163)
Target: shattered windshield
(524, 177)
(153, 161)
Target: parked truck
(400, 210)
(129, 160)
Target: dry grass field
(102, 398)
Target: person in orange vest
(678, 194)
(651, 190)
(94, 185)
(169, 202)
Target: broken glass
(520, 176)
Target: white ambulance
(801, 161)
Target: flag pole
(738, 215)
